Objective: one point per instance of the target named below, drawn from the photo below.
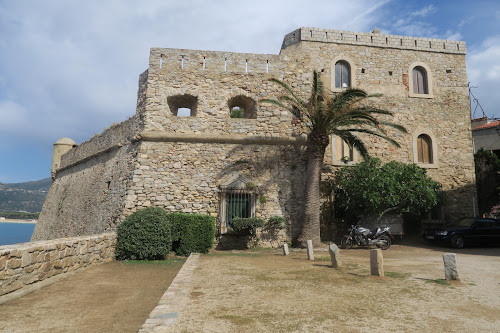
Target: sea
(13, 233)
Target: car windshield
(464, 222)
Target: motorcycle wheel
(346, 243)
(387, 241)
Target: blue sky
(70, 68)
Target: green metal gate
(238, 205)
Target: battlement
(373, 39)
(213, 61)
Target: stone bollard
(285, 250)
(376, 262)
(450, 267)
(310, 253)
(335, 255)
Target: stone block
(26, 258)
(14, 263)
(285, 250)
(376, 262)
(334, 251)
(310, 251)
(450, 267)
(3, 261)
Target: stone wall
(187, 177)
(25, 264)
(115, 134)
(87, 195)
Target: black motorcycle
(381, 237)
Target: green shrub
(276, 222)
(237, 113)
(249, 224)
(192, 232)
(144, 235)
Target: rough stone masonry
(184, 152)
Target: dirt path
(266, 292)
(114, 297)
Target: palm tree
(343, 115)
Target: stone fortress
(184, 152)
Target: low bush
(192, 233)
(276, 223)
(144, 235)
(249, 224)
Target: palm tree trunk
(311, 225)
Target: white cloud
(484, 72)
(431, 9)
(70, 68)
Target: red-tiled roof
(490, 125)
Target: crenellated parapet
(213, 61)
(375, 39)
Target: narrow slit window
(386, 40)
(424, 149)
(344, 151)
(420, 85)
(225, 64)
(246, 65)
(204, 64)
(267, 66)
(342, 74)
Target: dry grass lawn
(263, 291)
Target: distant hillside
(28, 196)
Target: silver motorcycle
(380, 237)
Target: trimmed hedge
(192, 232)
(249, 224)
(144, 235)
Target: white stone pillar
(450, 267)
(376, 262)
(310, 253)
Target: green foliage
(250, 186)
(370, 188)
(343, 115)
(262, 199)
(487, 177)
(276, 223)
(19, 215)
(237, 113)
(144, 235)
(192, 233)
(244, 225)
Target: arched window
(420, 81)
(424, 149)
(242, 107)
(183, 105)
(420, 85)
(342, 75)
(342, 153)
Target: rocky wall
(118, 133)
(187, 177)
(25, 264)
(88, 198)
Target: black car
(467, 231)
